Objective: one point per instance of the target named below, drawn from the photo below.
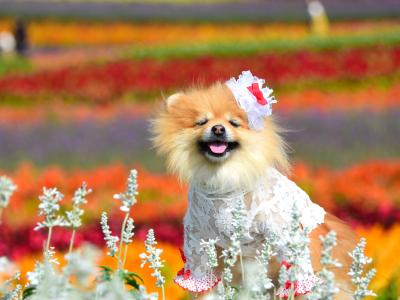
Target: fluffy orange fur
(176, 135)
(177, 132)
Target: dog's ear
(172, 99)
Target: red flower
(255, 90)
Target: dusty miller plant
(152, 257)
(49, 281)
(7, 188)
(327, 289)
(258, 286)
(361, 279)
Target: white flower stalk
(297, 253)
(128, 233)
(10, 290)
(152, 257)
(74, 216)
(360, 280)
(209, 248)
(262, 283)
(297, 245)
(51, 283)
(230, 255)
(50, 258)
(79, 198)
(49, 208)
(41, 270)
(36, 276)
(328, 243)
(111, 240)
(327, 289)
(127, 236)
(283, 275)
(82, 264)
(129, 197)
(238, 219)
(128, 200)
(16, 293)
(7, 188)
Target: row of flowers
(385, 262)
(371, 99)
(365, 194)
(88, 140)
(47, 32)
(26, 251)
(162, 197)
(58, 33)
(110, 81)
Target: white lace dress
(268, 208)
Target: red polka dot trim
(301, 287)
(196, 285)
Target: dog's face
(217, 130)
(205, 136)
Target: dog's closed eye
(201, 122)
(234, 123)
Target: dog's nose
(218, 130)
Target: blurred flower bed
(385, 96)
(162, 205)
(87, 117)
(74, 33)
(110, 81)
(163, 198)
(385, 262)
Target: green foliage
(243, 48)
(391, 291)
(13, 65)
(106, 273)
(129, 278)
(28, 291)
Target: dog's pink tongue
(218, 148)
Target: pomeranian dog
(209, 139)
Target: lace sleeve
(196, 276)
(273, 213)
(274, 204)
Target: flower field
(67, 34)
(67, 116)
(120, 78)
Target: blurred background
(79, 81)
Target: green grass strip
(241, 48)
(13, 64)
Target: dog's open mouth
(217, 148)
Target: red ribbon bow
(255, 90)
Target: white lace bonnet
(250, 95)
